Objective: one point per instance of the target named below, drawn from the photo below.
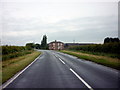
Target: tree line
(43, 44)
(111, 40)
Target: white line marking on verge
(81, 79)
(14, 77)
(61, 60)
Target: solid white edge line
(81, 79)
(14, 77)
(61, 60)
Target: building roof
(55, 42)
(78, 43)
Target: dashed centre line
(86, 84)
(61, 60)
(81, 79)
(55, 56)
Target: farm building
(56, 45)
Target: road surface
(58, 70)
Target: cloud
(89, 29)
(83, 22)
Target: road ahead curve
(57, 70)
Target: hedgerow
(12, 49)
(9, 52)
(113, 48)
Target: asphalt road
(57, 70)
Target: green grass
(12, 66)
(104, 60)
(99, 53)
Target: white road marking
(55, 56)
(14, 77)
(81, 79)
(61, 60)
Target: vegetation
(9, 52)
(17, 54)
(15, 58)
(98, 53)
(30, 46)
(37, 46)
(108, 48)
(107, 54)
(109, 40)
(107, 61)
(12, 49)
(44, 43)
(12, 66)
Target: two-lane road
(57, 70)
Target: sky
(81, 21)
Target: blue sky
(24, 21)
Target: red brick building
(56, 45)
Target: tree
(30, 46)
(44, 42)
(37, 46)
(116, 40)
(108, 40)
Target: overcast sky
(24, 21)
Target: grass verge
(99, 53)
(107, 61)
(12, 66)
